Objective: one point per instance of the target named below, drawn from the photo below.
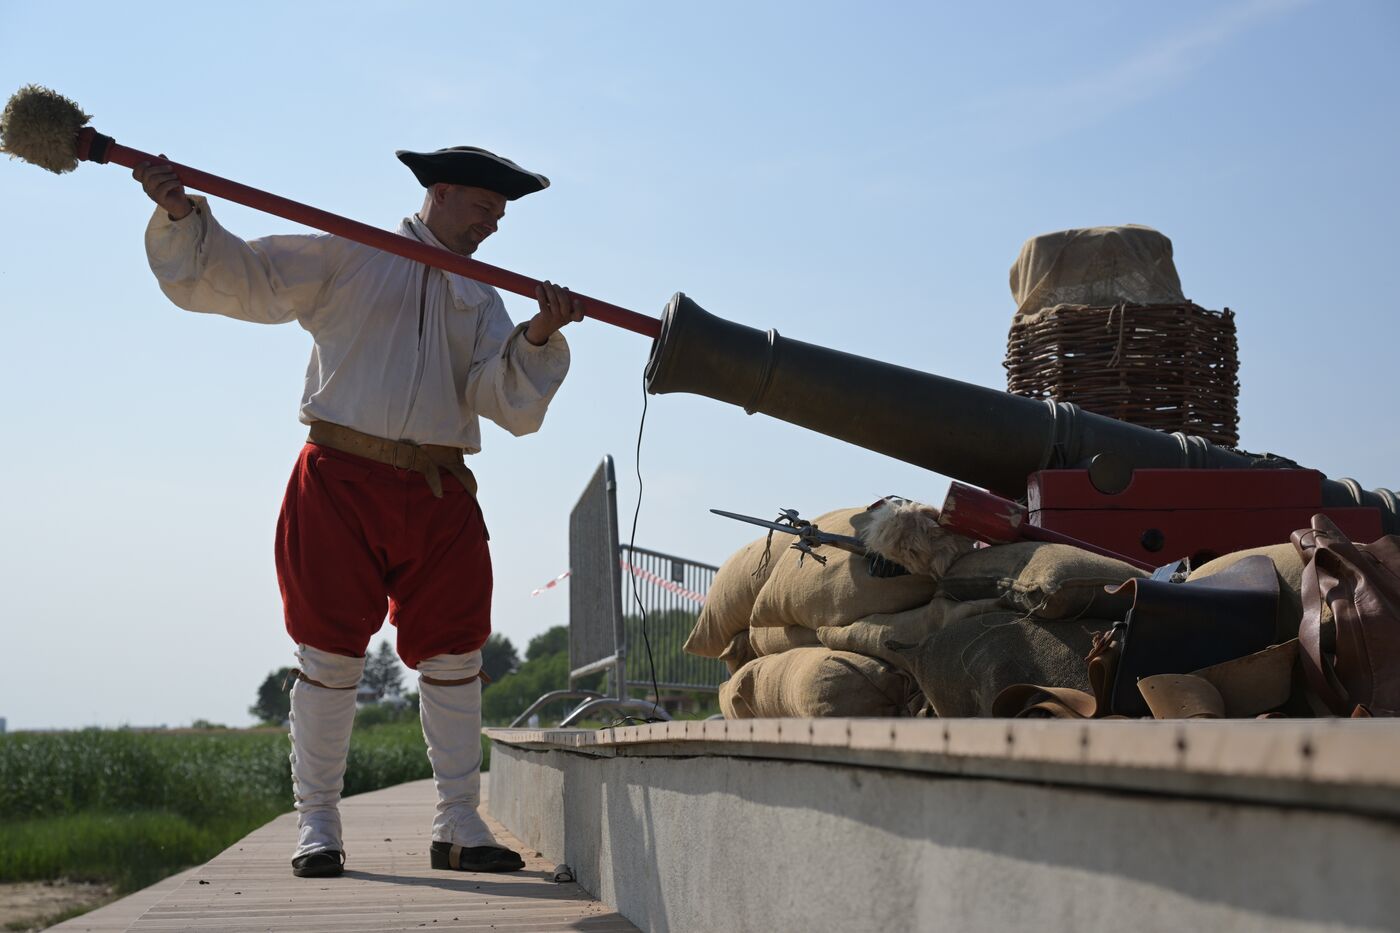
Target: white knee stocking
(321, 721)
(452, 727)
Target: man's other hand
(557, 308)
(163, 186)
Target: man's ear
(440, 192)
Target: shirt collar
(467, 291)
(414, 227)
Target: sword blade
(810, 533)
(762, 523)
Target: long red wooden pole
(95, 147)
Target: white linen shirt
(393, 356)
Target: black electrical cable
(632, 551)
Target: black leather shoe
(324, 864)
(451, 857)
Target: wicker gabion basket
(1172, 367)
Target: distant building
(371, 696)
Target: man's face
(461, 217)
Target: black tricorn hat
(477, 168)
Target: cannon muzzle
(971, 433)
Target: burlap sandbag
(815, 682)
(1095, 267)
(775, 639)
(971, 651)
(812, 595)
(889, 637)
(975, 655)
(730, 601)
(1290, 575)
(1053, 582)
(739, 652)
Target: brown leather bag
(1361, 586)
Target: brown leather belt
(427, 459)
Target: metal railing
(671, 590)
(606, 576)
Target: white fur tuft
(41, 126)
(909, 534)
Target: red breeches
(357, 537)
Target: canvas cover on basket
(1095, 266)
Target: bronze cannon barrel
(971, 433)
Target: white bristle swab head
(41, 126)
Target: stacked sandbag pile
(806, 639)
(768, 602)
(1002, 615)
(833, 640)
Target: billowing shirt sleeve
(511, 380)
(202, 267)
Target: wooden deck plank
(118, 916)
(387, 885)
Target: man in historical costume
(381, 510)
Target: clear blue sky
(858, 176)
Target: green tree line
(546, 668)
(517, 682)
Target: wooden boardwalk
(387, 885)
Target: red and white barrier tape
(644, 574)
(551, 584)
(667, 585)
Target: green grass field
(129, 808)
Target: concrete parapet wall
(679, 837)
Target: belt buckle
(407, 452)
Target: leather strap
(1322, 680)
(1360, 584)
(454, 857)
(438, 682)
(316, 683)
(427, 459)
